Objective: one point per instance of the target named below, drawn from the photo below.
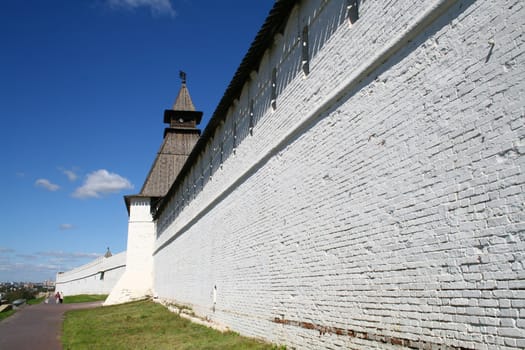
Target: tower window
(305, 59)
(274, 89)
(352, 8)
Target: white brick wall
(137, 281)
(86, 279)
(382, 203)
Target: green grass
(145, 325)
(35, 301)
(6, 314)
(83, 298)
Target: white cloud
(68, 255)
(6, 250)
(25, 268)
(64, 227)
(38, 266)
(48, 185)
(71, 175)
(157, 7)
(102, 182)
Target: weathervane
(182, 76)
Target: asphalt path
(37, 326)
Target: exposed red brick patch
(413, 344)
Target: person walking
(60, 297)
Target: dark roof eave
(273, 24)
(186, 115)
(127, 199)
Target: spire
(108, 253)
(182, 114)
(180, 136)
(183, 101)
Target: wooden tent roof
(175, 148)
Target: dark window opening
(352, 7)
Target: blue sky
(83, 88)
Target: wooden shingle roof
(170, 158)
(183, 101)
(176, 146)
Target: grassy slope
(84, 298)
(6, 314)
(144, 325)
(35, 301)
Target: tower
(180, 136)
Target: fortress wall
(137, 280)
(381, 202)
(96, 277)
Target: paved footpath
(37, 326)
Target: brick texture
(380, 204)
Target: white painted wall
(88, 278)
(137, 281)
(382, 202)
